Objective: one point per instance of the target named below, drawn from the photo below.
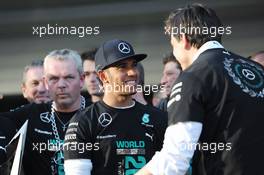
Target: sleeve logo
(175, 94)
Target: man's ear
(82, 78)
(23, 89)
(102, 76)
(185, 42)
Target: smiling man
(171, 71)
(128, 133)
(32, 86)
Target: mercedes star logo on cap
(123, 48)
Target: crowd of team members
(217, 99)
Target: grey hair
(34, 63)
(65, 54)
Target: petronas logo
(145, 118)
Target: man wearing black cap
(119, 134)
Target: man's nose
(41, 87)
(132, 71)
(93, 77)
(61, 83)
(163, 80)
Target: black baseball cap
(113, 51)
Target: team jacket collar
(206, 46)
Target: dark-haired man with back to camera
(216, 103)
(120, 134)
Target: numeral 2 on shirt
(132, 165)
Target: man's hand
(143, 171)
